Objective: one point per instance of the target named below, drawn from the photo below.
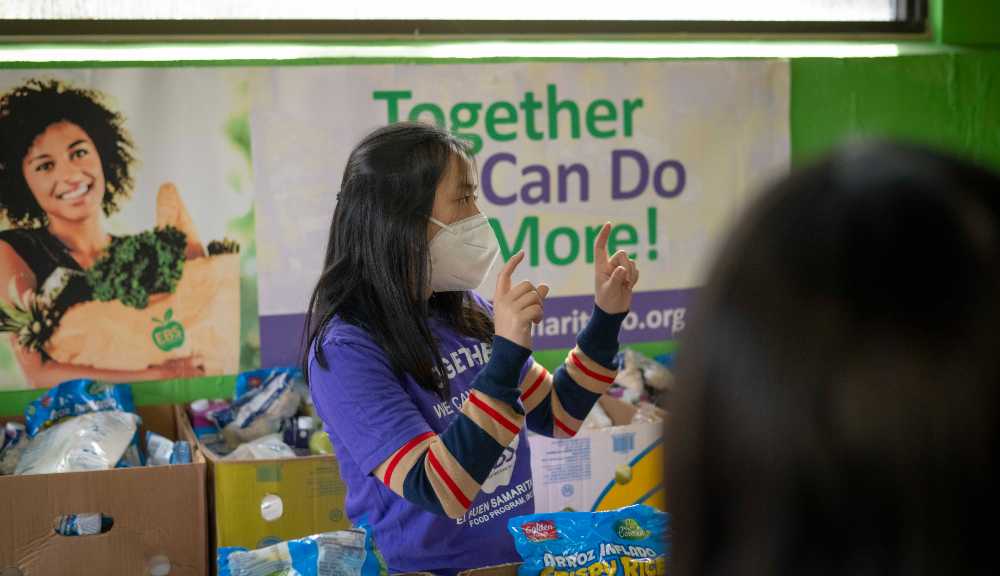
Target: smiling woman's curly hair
(26, 112)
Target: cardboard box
(159, 513)
(498, 570)
(256, 503)
(601, 469)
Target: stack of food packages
(271, 416)
(79, 426)
(642, 382)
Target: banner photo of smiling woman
(66, 163)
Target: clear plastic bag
(94, 441)
(341, 553)
(259, 410)
(266, 448)
(15, 441)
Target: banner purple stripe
(655, 316)
(280, 339)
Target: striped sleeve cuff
(454, 488)
(500, 377)
(443, 473)
(599, 338)
(588, 373)
(535, 387)
(557, 405)
(393, 471)
(496, 418)
(577, 388)
(427, 473)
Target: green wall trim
(552, 359)
(969, 22)
(187, 390)
(934, 16)
(145, 393)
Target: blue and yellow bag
(631, 541)
(74, 398)
(78, 397)
(341, 553)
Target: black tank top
(43, 253)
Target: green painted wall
(951, 101)
(967, 22)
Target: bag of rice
(631, 541)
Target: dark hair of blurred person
(836, 402)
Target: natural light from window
(641, 10)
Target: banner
(126, 225)
(129, 247)
(667, 151)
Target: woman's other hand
(516, 308)
(614, 277)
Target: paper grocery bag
(201, 319)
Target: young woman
(65, 164)
(425, 388)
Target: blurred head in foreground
(836, 402)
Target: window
(449, 17)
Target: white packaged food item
(15, 441)
(630, 376)
(647, 413)
(641, 378)
(84, 524)
(94, 441)
(598, 418)
(266, 448)
(158, 449)
(342, 553)
(259, 410)
(162, 451)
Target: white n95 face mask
(462, 253)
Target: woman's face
(63, 171)
(455, 198)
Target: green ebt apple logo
(169, 334)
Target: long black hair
(27, 111)
(835, 409)
(377, 257)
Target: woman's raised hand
(516, 308)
